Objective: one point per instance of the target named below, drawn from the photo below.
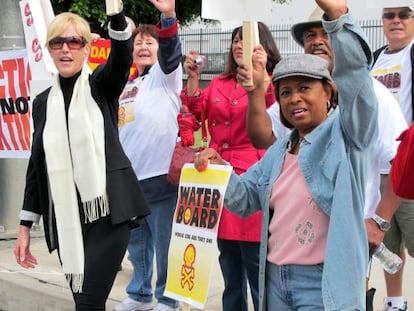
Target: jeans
(151, 238)
(294, 287)
(239, 262)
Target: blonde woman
(79, 179)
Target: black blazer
(126, 198)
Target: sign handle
(113, 7)
(250, 40)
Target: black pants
(105, 247)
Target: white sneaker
(132, 305)
(163, 307)
(388, 307)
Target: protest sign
(247, 10)
(36, 16)
(99, 54)
(194, 232)
(14, 103)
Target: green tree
(139, 11)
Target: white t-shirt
(391, 123)
(148, 128)
(279, 130)
(394, 71)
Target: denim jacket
(334, 160)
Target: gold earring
(328, 105)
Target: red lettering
(2, 87)
(37, 50)
(28, 76)
(22, 76)
(4, 145)
(9, 120)
(9, 67)
(18, 128)
(23, 129)
(8, 70)
(28, 14)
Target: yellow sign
(194, 232)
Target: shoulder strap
(204, 135)
(378, 52)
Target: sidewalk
(44, 288)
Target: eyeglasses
(73, 43)
(401, 15)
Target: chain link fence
(214, 44)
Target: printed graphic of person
(187, 270)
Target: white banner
(36, 15)
(241, 10)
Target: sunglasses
(73, 43)
(401, 15)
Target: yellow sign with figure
(194, 232)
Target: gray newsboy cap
(306, 65)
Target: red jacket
(225, 107)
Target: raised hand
(190, 67)
(259, 60)
(166, 7)
(333, 8)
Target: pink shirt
(298, 228)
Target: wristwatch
(383, 224)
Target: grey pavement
(44, 288)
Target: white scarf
(75, 158)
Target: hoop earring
(328, 105)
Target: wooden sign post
(250, 40)
(113, 7)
